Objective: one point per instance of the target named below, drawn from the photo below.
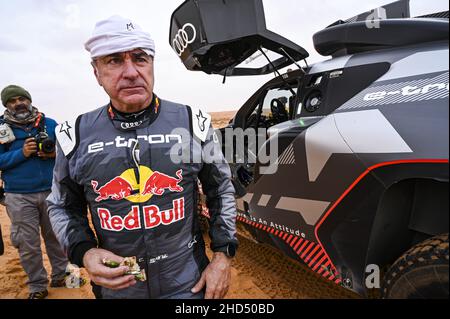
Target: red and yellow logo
(127, 187)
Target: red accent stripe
(285, 236)
(294, 241)
(302, 247)
(315, 258)
(332, 277)
(338, 281)
(280, 234)
(353, 185)
(298, 244)
(272, 231)
(320, 262)
(276, 233)
(290, 238)
(326, 273)
(312, 253)
(324, 266)
(265, 228)
(307, 249)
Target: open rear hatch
(216, 36)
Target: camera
(44, 143)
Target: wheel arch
(409, 211)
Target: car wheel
(421, 273)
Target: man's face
(127, 78)
(19, 106)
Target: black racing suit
(142, 202)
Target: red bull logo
(126, 187)
(116, 189)
(153, 217)
(158, 183)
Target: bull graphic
(116, 189)
(158, 183)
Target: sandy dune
(221, 119)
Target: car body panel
(367, 129)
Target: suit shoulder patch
(201, 121)
(66, 134)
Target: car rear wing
(395, 10)
(385, 27)
(216, 36)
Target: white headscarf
(117, 34)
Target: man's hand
(217, 277)
(45, 156)
(112, 278)
(29, 147)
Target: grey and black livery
(98, 170)
(363, 159)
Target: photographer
(27, 158)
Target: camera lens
(48, 146)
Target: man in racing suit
(122, 161)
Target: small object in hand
(110, 263)
(131, 263)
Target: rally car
(359, 190)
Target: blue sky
(41, 48)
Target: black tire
(421, 273)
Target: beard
(22, 111)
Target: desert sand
(221, 119)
